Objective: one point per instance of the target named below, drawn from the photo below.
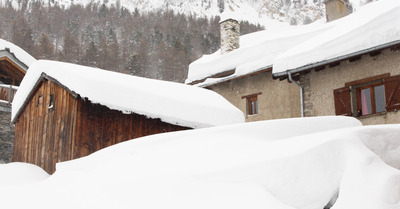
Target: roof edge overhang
(233, 77)
(4, 54)
(283, 75)
(43, 77)
(200, 83)
(39, 81)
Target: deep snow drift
(280, 164)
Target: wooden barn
(65, 111)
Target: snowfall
(308, 163)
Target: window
(39, 101)
(368, 96)
(251, 104)
(51, 102)
(371, 99)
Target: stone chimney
(230, 35)
(336, 9)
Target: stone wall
(230, 35)
(308, 105)
(319, 86)
(6, 134)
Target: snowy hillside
(309, 163)
(267, 13)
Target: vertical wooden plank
(63, 111)
(73, 126)
(78, 129)
(52, 155)
(44, 127)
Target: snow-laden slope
(19, 53)
(281, 164)
(271, 14)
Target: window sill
(371, 115)
(247, 116)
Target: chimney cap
(228, 15)
(344, 1)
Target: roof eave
(229, 78)
(42, 77)
(336, 59)
(12, 57)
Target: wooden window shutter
(392, 93)
(342, 101)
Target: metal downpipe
(301, 93)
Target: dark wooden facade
(57, 125)
(10, 72)
(7, 93)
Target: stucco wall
(322, 83)
(278, 99)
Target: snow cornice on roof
(302, 48)
(6, 54)
(395, 45)
(373, 27)
(170, 102)
(19, 56)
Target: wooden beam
(251, 95)
(367, 80)
(305, 72)
(395, 47)
(14, 64)
(353, 59)
(334, 64)
(317, 69)
(375, 53)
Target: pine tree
(91, 55)
(45, 49)
(22, 34)
(71, 48)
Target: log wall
(43, 131)
(98, 127)
(48, 132)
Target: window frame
(347, 100)
(249, 104)
(371, 86)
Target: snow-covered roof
(257, 52)
(255, 165)
(290, 48)
(372, 26)
(173, 103)
(16, 54)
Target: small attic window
(51, 103)
(39, 100)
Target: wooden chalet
(14, 63)
(65, 111)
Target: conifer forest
(158, 45)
